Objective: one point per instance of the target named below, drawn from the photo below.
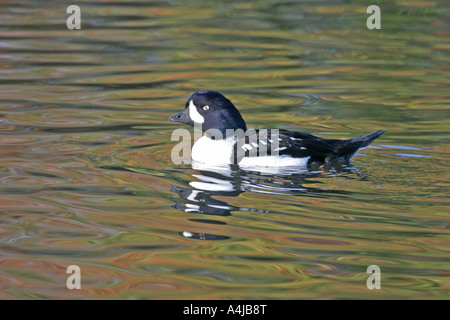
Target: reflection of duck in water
(226, 139)
(208, 184)
(228, 182)
(200, 201)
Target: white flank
(194, 115)
(274, 161)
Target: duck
(225, 138)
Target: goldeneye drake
(226, 139)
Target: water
(87, 179)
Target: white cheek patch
(194, 115)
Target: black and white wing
(274, 142)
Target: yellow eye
(205, 108)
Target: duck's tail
(345, 149)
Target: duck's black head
(212, 110)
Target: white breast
(213, 152)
